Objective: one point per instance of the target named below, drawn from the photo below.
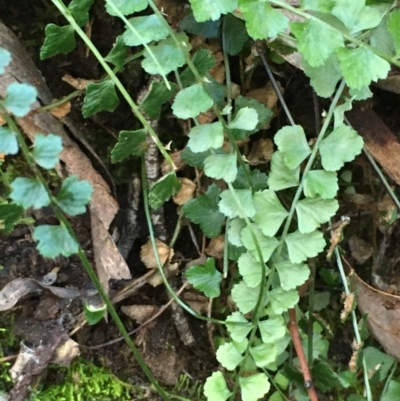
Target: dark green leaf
(235, 34)
(254, 179)
(203, 61)
(10, 214)
(156, 97)
(207, 29)
(80, 10)
(59, 39)
(205, 278)
(93, 314)
(118, 53)
(129, 143)
(163, 189)
(194, 159)
(100, 96)
(204, 211)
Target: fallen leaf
(261, 152)
(77, 83)
(61, 111)
(147, 255)
(186, 192)
(140, 313)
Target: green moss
(85, 382)
(7, 340)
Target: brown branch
(294, 333)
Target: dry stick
(295, 334)
(157, 216)
(117, 340)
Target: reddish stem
(294, 333)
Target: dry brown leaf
(196, 301)
(261, 152)
(169, 269)
(66, 353)
(206, 117)
(77, 83)
(147, 255)
(216, 247)
(186, 192)
(387, 210)
(360, 249)
(177, 160)
(235, 90)
(61, 111)
(140, 313)
(265, 95)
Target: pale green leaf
(80, 10)
(250, 269)
(292, 143)
(230, 208)
(8, 142)
(5, 59)
(204, 10)
(126, 7)
(282, 300)
(316, 40)
(238, 332)
(302, 246)
(393, 26)
(100, 96)
(245, 119)
(228, 356)
(264, 354)
(361, 66)
(29, 192)
(254, 387)
(163, 189)
(262, 21)
(130, 143)
(204, 211)
(191, 101)
(339, 112)
(312, 212)
(380, 38)
(19, 98)
(263, 113)
(94, 314)
(355, 15)
(74, 195)
(361, 94)
(324, 6)
(206, 136)
(148, 28)
(341, 146)
(205, 278)
(156, 97)
(46, 150)
(322, 183)
(54, 241)
(292, 275)
(281, 177)
(168, 55)
(272, 329)
(59, 39)
(267, 244)
(235, 228)
(325, 77)
(392, 392)
(221, 167)
(270, 213)
(245, 297)
(215, 388)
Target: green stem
(310, 163)
(67, 15)
(348, 37)
(85, 262)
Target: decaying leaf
(66, 353)
(216, 247)
(348, 305)
(336, 235)
(147, 255)
(360, 249)
(77, 83)
(140, 313)
(169, 269)
(186, 193)
(18, 288)
(387, 210)
(196, 301)
(261, 152)
(61, 111)
(177, 160)
(266, 96)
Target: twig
(294, 333)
